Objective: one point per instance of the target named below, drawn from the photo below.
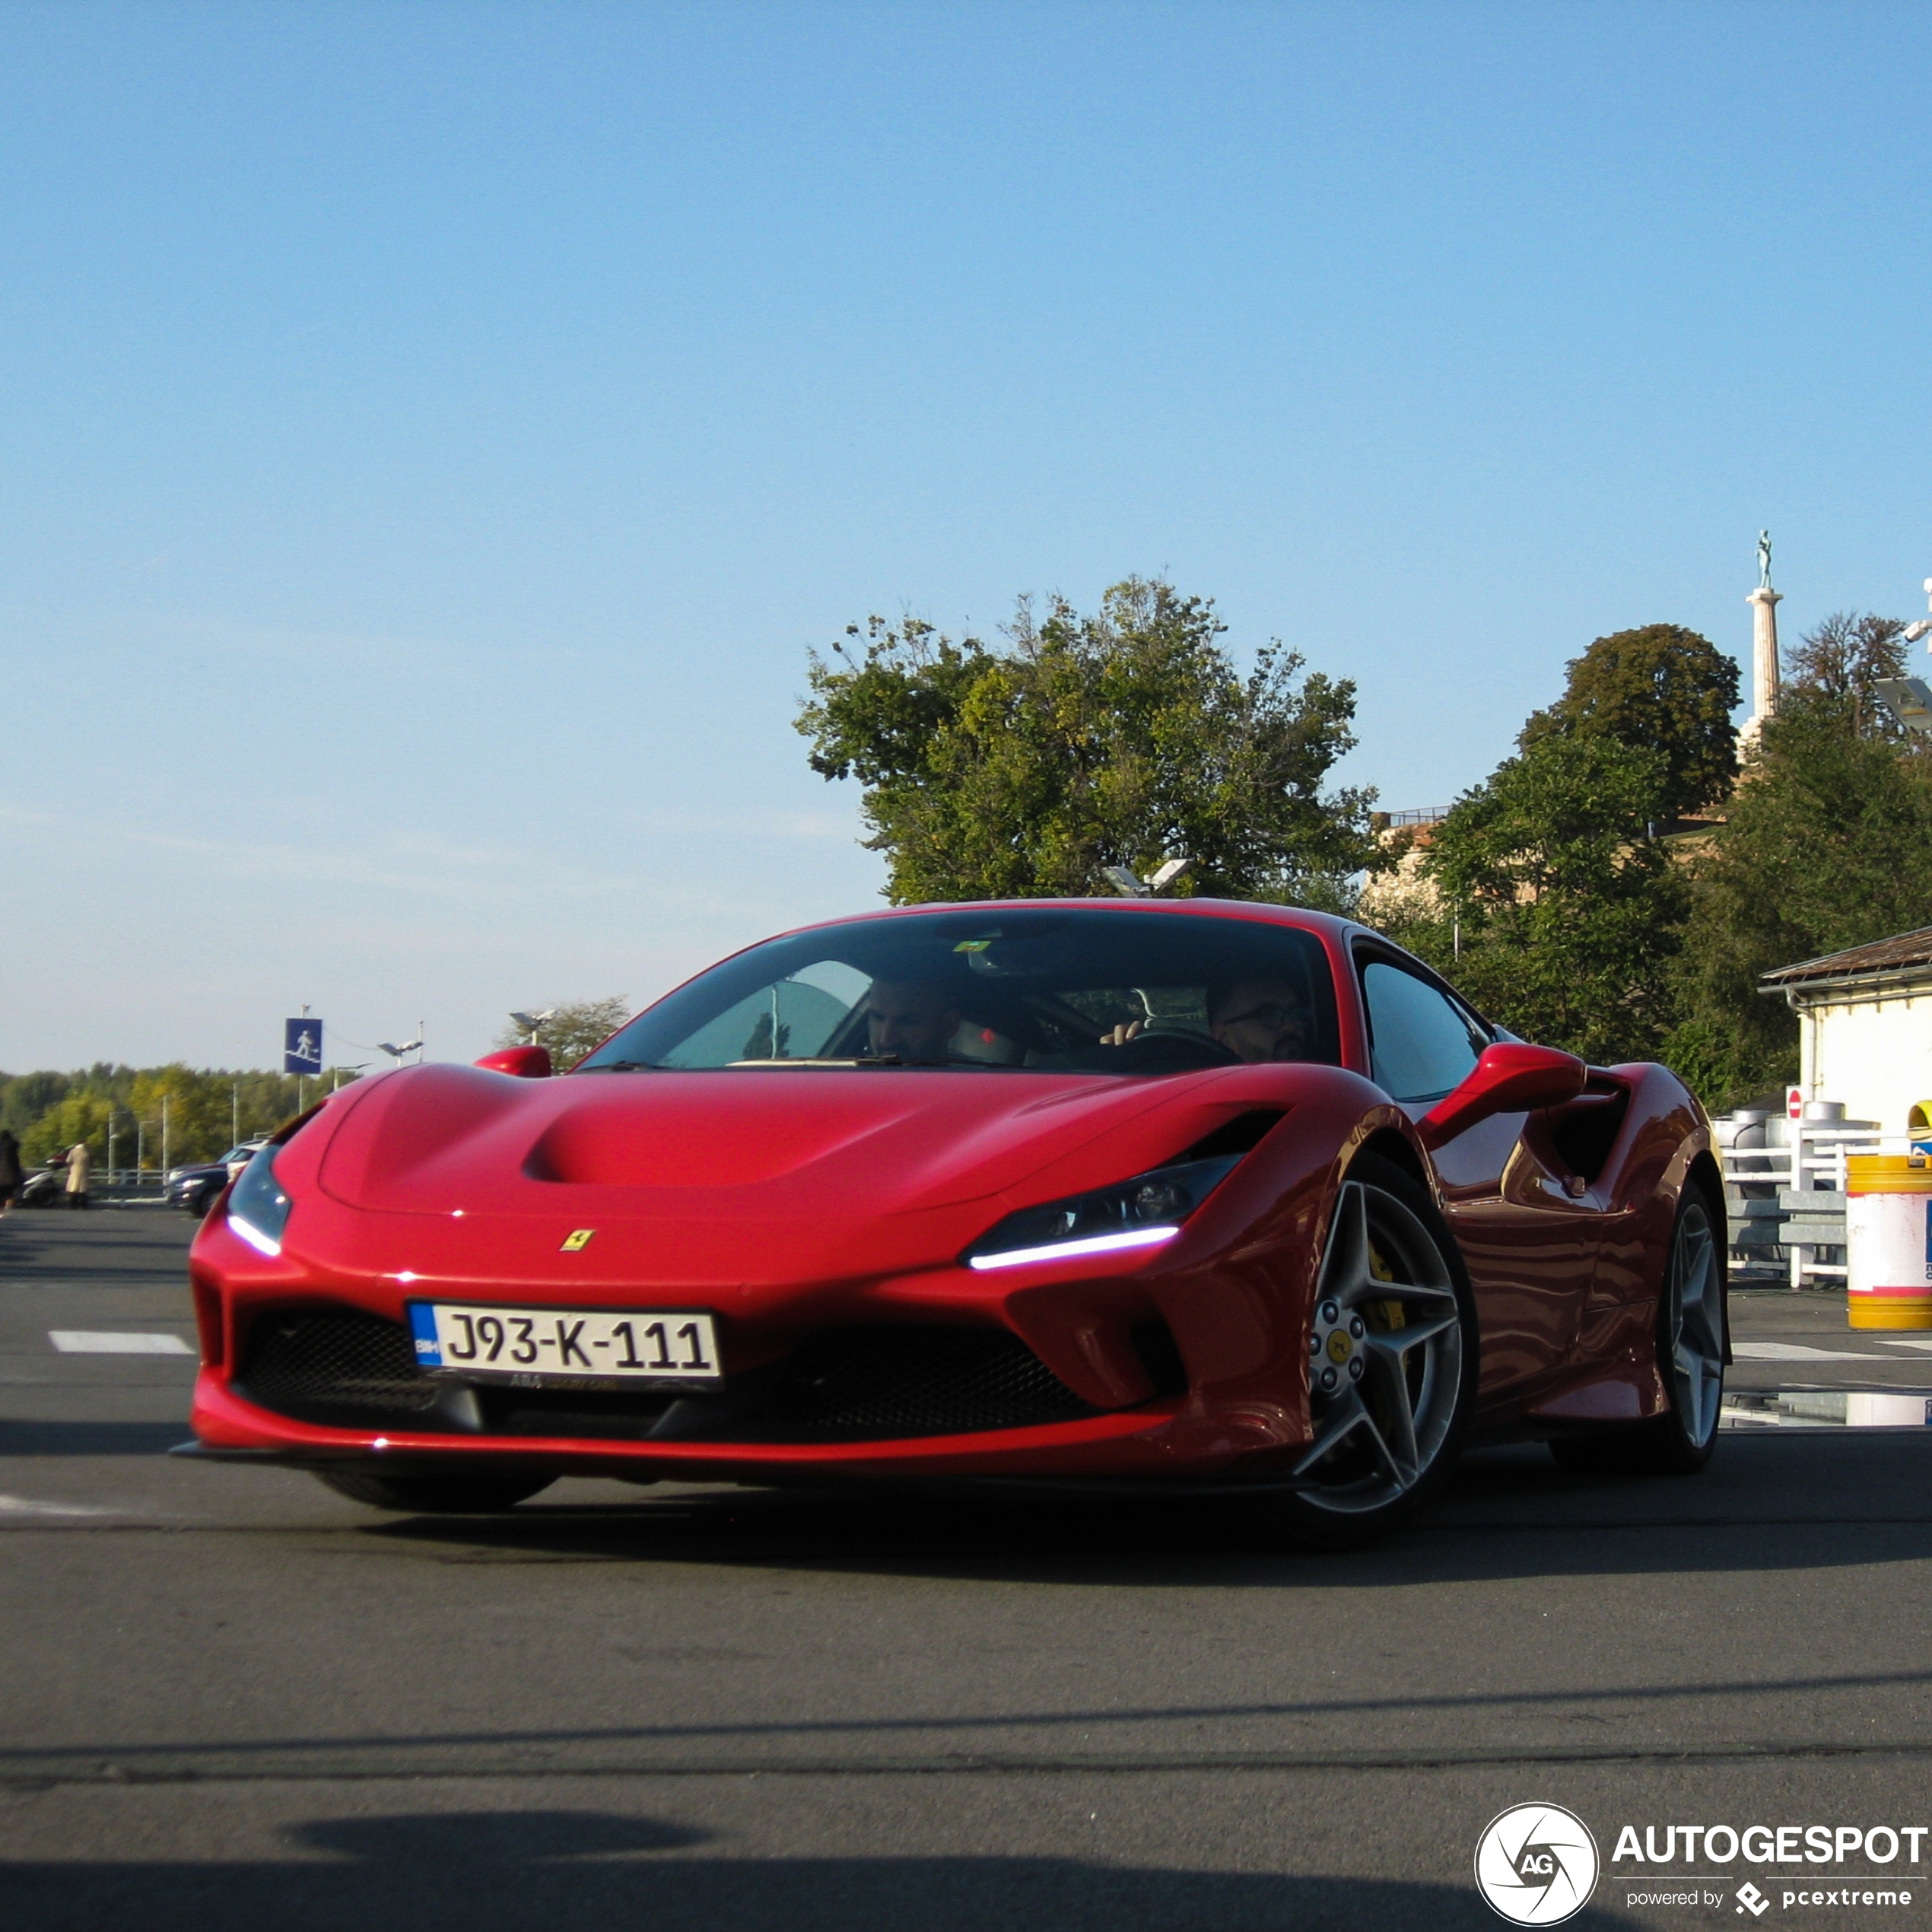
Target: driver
(1260, 1020)
(911, 1020)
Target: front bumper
(1151, 1443)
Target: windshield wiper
(813, 1060)
(622, 1066)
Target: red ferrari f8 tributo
(1195, 1197)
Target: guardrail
(1818, 1150)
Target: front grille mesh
(911, 1382)
(348, 1370)
(339, 1367)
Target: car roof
(1328, 924)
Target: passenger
(911, 1020)
(1260, 1020)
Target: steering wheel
(1165, 1047)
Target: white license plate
(535, 1346)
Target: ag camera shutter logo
(1536, 1864)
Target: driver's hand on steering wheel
(1118, 1036)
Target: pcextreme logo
(1536, 1864)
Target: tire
(1691, 1325)
(1393, 1330)
(454, 1494)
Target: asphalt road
(229, 1698)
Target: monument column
(1764, 602)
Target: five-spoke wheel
(1391, 1361)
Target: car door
(1530, 1244)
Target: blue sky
(433, 435)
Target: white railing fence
(1815, 1154)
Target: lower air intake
(341, 1369)
(880, 1382)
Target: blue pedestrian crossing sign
(301, 1046)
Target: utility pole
(164, 1132)
(234, 1117)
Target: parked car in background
(196, 1186)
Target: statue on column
(1764, 560)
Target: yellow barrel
(1888, 1240)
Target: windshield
(1086, 990)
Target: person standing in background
(10, 1170)
(78, 1162)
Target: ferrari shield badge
(576, 1241)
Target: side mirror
(1508, 1079)
(526, 1062)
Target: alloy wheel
(1694, 1333)
(1385, 1355)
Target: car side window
(1421, 1043)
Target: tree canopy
(1567, 912)
(1122, 737)
(1579, 929)
(575, 1027)
(1828, 844)
(1844, 657)
(1660, 688)
(206, 1108)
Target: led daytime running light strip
(263, 1243)
(1093, 1244)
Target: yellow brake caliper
(1391, 1312)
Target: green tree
(1659, 689)
(196, 1108)
(79, 1116)
(1568, 912)
(1844, 657)
(1121, 737)
(573, 1029)
(1828, 844)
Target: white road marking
(20, 1506)
(1902, 1342)
(1798, 1352)
(104, 1342)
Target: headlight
(1141, 1213)
(258, 1208)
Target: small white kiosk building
(1865, 1026)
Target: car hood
(757, 1144)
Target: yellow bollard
(1888, 1240)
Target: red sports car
(1199, 1197)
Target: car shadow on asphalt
(550, 1871)
(1774, 1505)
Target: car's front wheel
(1392, 1363)
(453, 1493)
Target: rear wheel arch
(1704, 1173)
